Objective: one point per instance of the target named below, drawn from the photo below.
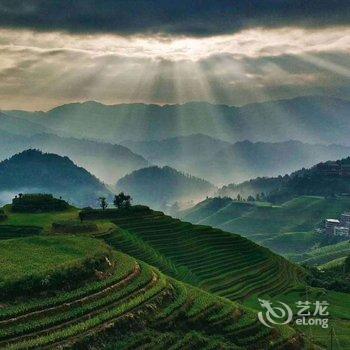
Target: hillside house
(330, 224)
(337, 227)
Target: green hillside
(129, 296)
(287, 228)
(33, 171)
(158, 283)
(220, 262)
(226, 265)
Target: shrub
(3, 216)
(34, 203)
(9, 231)
(98, 214)
(73, 226)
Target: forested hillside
(106, 161)
(162, 186)
(331, 178)
(34, 171)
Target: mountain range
(222, 162)
(312, 119)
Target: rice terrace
(117, 272)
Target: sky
(54, 52)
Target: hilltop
(162, 186)
(34, 171)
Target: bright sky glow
(39, 70)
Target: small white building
(330, 224)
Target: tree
(239, 198)
(250, 198)
(122, 200)
(103, 203)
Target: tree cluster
(121, 201)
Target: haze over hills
(310, 119)
(330, 178)
(19, 126)
(161, 187)
(106, 161)
(33, 171)
(180, 151)
(221, 162)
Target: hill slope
(34, 171)
(159, 187)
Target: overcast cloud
(232, 52)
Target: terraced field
(220, 262)
(159, 311)
(287, 229)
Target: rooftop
(333, 220)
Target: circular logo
(273, 315)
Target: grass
(40, 257)
(325, 254)
(44, 220)
(173, 315)
(333, 263)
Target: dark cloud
(194, 17)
